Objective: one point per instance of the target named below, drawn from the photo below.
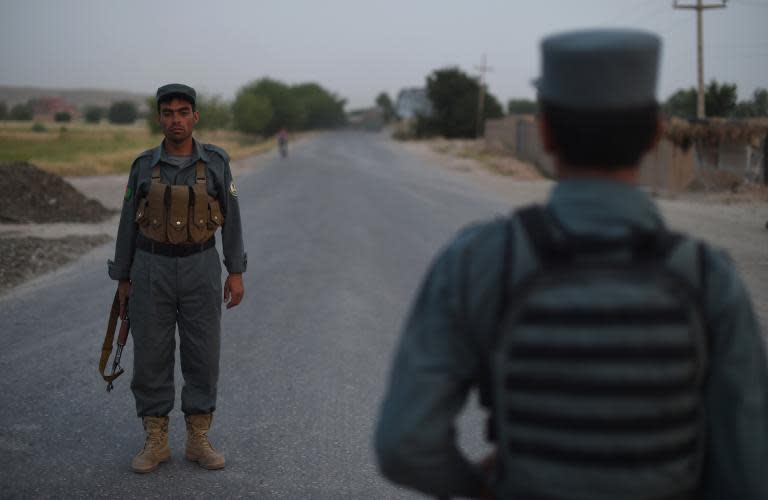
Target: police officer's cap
(599, 69)
(178, 89)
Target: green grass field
(85, 149)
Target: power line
(700, 7)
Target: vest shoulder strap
(200, 176)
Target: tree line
(267, 105)
(454, 96)
(262, 107)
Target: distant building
(371, 119)
(47, 107)
(412, 102)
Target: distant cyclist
(282, 142)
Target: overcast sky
(355, 48)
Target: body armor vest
(179, 214)
(599, 368)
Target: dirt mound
(33, 195)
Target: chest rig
(179, 214)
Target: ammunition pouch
(179, 214)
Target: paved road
(338, 236)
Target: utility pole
(700, 7)
(483, 69)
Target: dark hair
(601, 138)
(172, 96)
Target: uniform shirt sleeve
(120, 268)
(235, 258)
(737, 395)
(431, 377)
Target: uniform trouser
(170, 291)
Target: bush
(454, 97)
(321, 109)
(386, 106)
(252, 113)
(38, 127)
(286, 109)
(21, 112)
(719, 100)
(522, 107)
(62, 117)
(93, 114)
(122, 112)
(214, 113)
(3, 110)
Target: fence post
(765, 159)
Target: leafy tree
(252, 112)
(21, 112)
(122, 112)
(154, 126)
(681, 103)
(62, 117)
(454, 96)
(93, 114)
(3, 110)
(522, 107)
(720, 99)
(321, 109)
(385, 104)
(758, 106)
(492, 108)
(214, 113)
(287, 111)
(760, 102)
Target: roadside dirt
(31, 243)
(34, 195)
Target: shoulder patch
(215, 149)
(233, 189)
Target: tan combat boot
(199, 449)
(155, 448)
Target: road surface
(338, 235)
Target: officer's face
(177, 120)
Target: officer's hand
(233, 290)
(123, 289)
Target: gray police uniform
(450, 333)
(177, 284)
(450, 337)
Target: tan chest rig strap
(179, 214)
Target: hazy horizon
(355, 49)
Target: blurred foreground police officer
(616, 359)
(178, 195)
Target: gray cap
(176, 88)
(599, 69)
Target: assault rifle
(106, 349)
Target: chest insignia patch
(233, 189)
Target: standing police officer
(178, 195)
(591, 396)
